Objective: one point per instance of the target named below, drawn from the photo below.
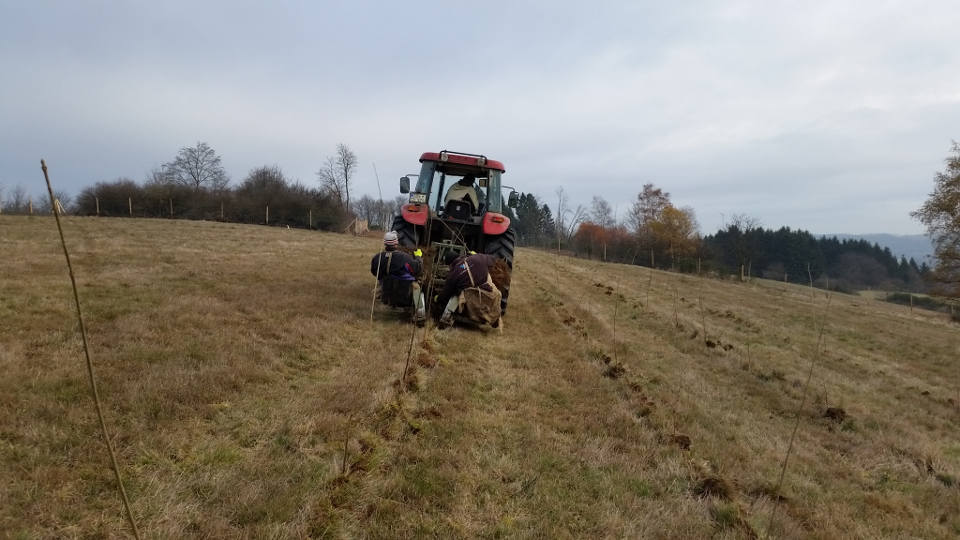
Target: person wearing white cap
(398, 276)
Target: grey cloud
(826, 116)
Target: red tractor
(457, 204)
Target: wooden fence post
(221, 210)
(130, 205)
(310, 218)
(98, 204)
(651, 258)
(171, 207)
(267, 219)
(30, 205)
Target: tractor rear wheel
(502, 246)
(406, 232)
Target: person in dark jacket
(398, 276)
(469, 272)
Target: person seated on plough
(463, 190)
(469, 290)
(398, 276)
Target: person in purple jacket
(398, 274)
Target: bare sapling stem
(346, 447)
(616, 307)
(646, 303)
(703, 319)
(428, 301)
(406, 366)
(376, 282)
(817, 353)
(676, 307)
(90, 372)
(557, 266)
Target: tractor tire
(406, 232)
(502, 246)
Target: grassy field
(250, 396)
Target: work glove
(473, 252)
(418, 253)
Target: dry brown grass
(236, 361)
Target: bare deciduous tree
(744, 222)
(346, 163)
(330, 180)
(376, 212)
(739, 228)
(398, 203)
(64, 198)
(198, 167)
(567, 219)
(336, 173)
(16, 202)
(601, 213)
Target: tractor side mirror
(404, 184)
(514, 199)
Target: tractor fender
(415, 214)
(495, 224)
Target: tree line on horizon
(653, 233)
(194, 185)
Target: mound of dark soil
(836, 414)
(713, 486)
(614, 370)
(680, 440)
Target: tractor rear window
(441, 182)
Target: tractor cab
(462, 193)
(460, 187)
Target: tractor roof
(459, 158)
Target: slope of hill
(911, 246)
(250, 395)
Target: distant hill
(915, 246)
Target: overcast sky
(828, 116)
